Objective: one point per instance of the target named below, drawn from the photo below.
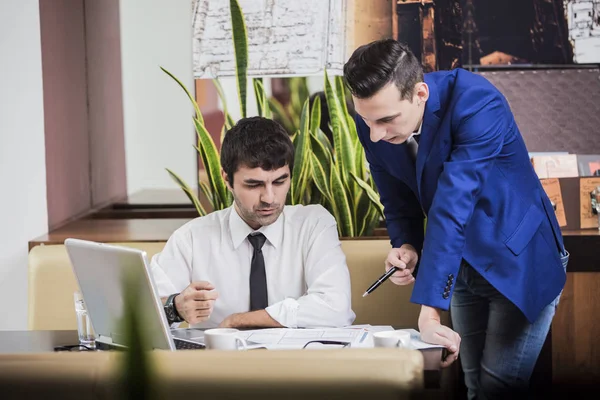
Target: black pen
(383, 278)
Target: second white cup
(224, 339)
(392, 339)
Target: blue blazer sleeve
(402, 210)
(480, 120)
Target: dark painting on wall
(515, 32)
(484, 32)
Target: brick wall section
(285, 37)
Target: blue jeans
(499, 346)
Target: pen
(382, 279)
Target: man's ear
(224, 175)
(422, 92)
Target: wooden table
(18, 342)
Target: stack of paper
(356, 336)
(283, 338)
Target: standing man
(445, 145)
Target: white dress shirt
(308, 282)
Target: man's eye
(278, 183)
(252, 185)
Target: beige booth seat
(331, 374)
(52, 283)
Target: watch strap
(170, 303)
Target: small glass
(87, 336)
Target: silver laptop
(101, 271)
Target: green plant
(289, 115)
(137, 373)
(332, 174)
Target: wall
(65, 107)
(83, 104)
(22, 156)
(105, 101)
(157, 115)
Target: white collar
(418, 132)
(240, 230)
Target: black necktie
(413, 147)
(258, 277)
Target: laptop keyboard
(188, 345)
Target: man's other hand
(195, 304)
(405, 258)
(432, 331)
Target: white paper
(284, 338)
(359, 336)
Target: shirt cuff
(285, 312)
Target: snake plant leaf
(188, 191)
(340, 88)
(342, 141)
(262, 101)
(280, 115)
(207, 193)
(322, 155)
(320, 177)
(189, 95)
(229, 122)
(210, 159)
(301, 158)
(240, 47)
(371, 220)
(373, 196)
(298, 95)
(359, 159)
(323, 140)
(315, 116)
(343, 212)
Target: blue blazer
(475, 183)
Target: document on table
(417, 343)
(415, 337)
(284, 338)
(356, 335)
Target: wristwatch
(171, 311)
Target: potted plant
(334, 175)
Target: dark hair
(374, 65)
(256, 142)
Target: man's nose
(377, 133)
(268, 195)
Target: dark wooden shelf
(113, 230)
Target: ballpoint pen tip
(365, 294)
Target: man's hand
(252, 319)
(432, 331)
(405, 258)
(196, 302)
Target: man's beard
(252, 217)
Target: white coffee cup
(224, 339)
(392, 339)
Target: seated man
(257, 263)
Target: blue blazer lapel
(430, 126)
